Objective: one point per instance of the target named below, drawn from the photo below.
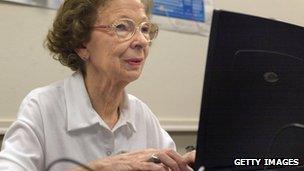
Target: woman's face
(110, 57)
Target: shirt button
(109, 153)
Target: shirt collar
(80, 113)
(127, 114)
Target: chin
(133, 75)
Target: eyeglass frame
(112, 27)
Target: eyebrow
(125, 16)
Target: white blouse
(59, 121)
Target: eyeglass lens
(125, 29)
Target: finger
(178, 159)
(168, 161)
(190, 157)
(138, 156)
(143, 155)
(165, 167)
(148, 166)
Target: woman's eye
(145, 29)
(121, 27)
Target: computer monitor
(253, 91)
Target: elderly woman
(88, 116)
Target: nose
(139, 40)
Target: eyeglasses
(126, 28)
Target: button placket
(109, 153)
(111, 145)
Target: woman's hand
(138, 161)
(190, 158)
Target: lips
(134, 61)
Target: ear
(83, 53)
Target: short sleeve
(158, 137)
(22, 148)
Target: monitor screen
(253, 96)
